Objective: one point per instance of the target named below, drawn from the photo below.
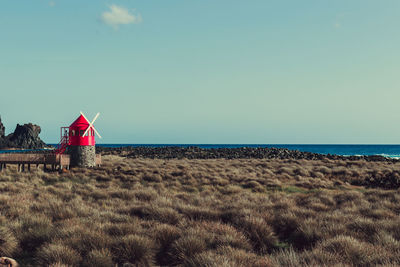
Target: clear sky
(209, 71)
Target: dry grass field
(250, 212)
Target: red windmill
(79, 139)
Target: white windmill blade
(95, 118)
(88, 126)
(84, 116)
(96, 132)
(87, 130)
(91, 125)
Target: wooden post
(44, 167)
(23, 167)
(29, 167)
(19, 167)
(1, 167)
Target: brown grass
(215, 212)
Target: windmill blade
(96, 132)
(95, 118)
(88, 126)
(91, 125)
(87, 130)
(84, 116)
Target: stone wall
(82, 156)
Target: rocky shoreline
(193, 152)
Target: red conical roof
(80, 122)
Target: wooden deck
(55, 161)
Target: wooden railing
(62, 160)
(14, 158)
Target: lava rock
(26, 136)
(2, 133)
(2, 129)
(170, 152)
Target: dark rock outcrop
(25, 136)
(2, 135)
(2, 130)
(193, 152)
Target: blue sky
(182, 71)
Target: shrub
(199, 213)
(208, 259)
(346, 197)
(162, 214)
(61, 212)
(261, 235)
(35, 231)
(287, 258)
(121, 229)
(8, 243)
(133, 249)
(103, 178)
(323, 169)
(285, 225)
(146, 195)
(164, 236)
(84, 239)
(99, 195)
(393, 227)
(98, 258)
(122, 194)
(363, 228)
(319, 257)
(243, 258)
(152, 177)
(350, 250)
(185, 248)
(305, 236)
(255, 186)
(57, 253)
(224, 235)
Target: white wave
(395, 156)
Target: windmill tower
(79, 141)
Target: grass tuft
(53, 254)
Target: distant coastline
(389, 151)
(343, 150)
(24, 150)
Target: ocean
(391, 151)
